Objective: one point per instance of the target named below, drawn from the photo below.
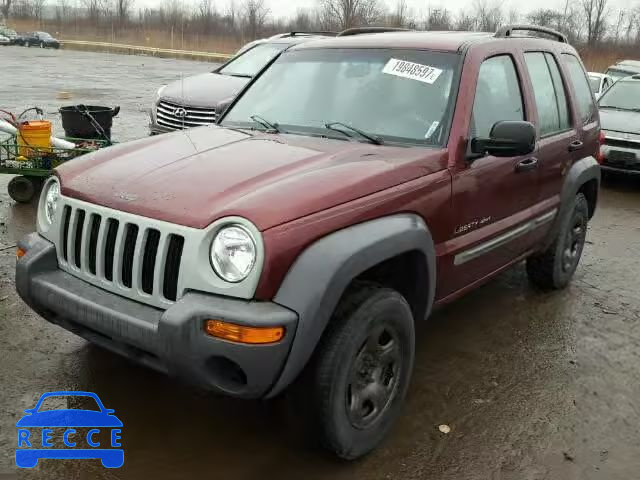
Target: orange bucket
(34, 138)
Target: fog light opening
(20, 252)
(226, 373)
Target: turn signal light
(20, 252)
(243, 334)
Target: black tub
(88, 121)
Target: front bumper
(172, 340)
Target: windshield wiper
(612, 107)
(269, 127)
(372, 138)
(239, 75)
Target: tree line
(585, 22)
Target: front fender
(318, 278)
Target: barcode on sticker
(414, 71)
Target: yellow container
(34, 138)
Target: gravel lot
(533, 385)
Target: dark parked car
(37, 39)
(197, 100)
(620, 114)
(354, 185)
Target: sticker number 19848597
(413, 71)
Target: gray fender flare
(318, 278)
(581, 172)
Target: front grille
(621, 142)
(168, 115)
(124, 256)
(622, 159)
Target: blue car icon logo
(34, 445)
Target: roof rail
(507, 31)
(361, 30)
(327, 33)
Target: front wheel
(27, 44)
(42, 45)
(362, 372)
(554, 268)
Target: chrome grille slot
(77, 237)
(110, 247)
(128, 254)
(177, 117)
(172, 266)
(149, 260)
(132, 256)
(94, 223)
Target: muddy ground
(533, 385)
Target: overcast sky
(286, 8)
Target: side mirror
(507, 139)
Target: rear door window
(498, 95)
(549, 93)
(578, 78)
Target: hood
(204, 90)
(196, 176)
(620, 120)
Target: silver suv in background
(197, 100)
(620, 118)
(624, 68)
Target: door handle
(527, 164)
(576, 145)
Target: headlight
(49, 205)
(159, 93)
(233, 253)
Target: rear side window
(498, 96)
(578, 77)
(548, 90)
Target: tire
(362, 370)
(42, 45)
(22, 189)
(27, 44)
(554, 268)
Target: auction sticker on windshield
(413, 71)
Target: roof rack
(361, 30)
(302, 34)
(507, 31)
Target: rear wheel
(554, 268)
(22, 189)
(42, 45)
(362, 372)
(27, 44)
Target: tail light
(599, 153)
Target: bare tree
(489, 16)
(38, 8)
(255, 13)
(400, 15)
(595, 12)
(5, 7)
(343, 14)
(438, 19)
(123, 10)
(465, 22)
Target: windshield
(401, 96)
(252, 61)
(618, 74)
(594, 82)
(624, 95)
(44, 35)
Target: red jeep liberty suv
(354, 184)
